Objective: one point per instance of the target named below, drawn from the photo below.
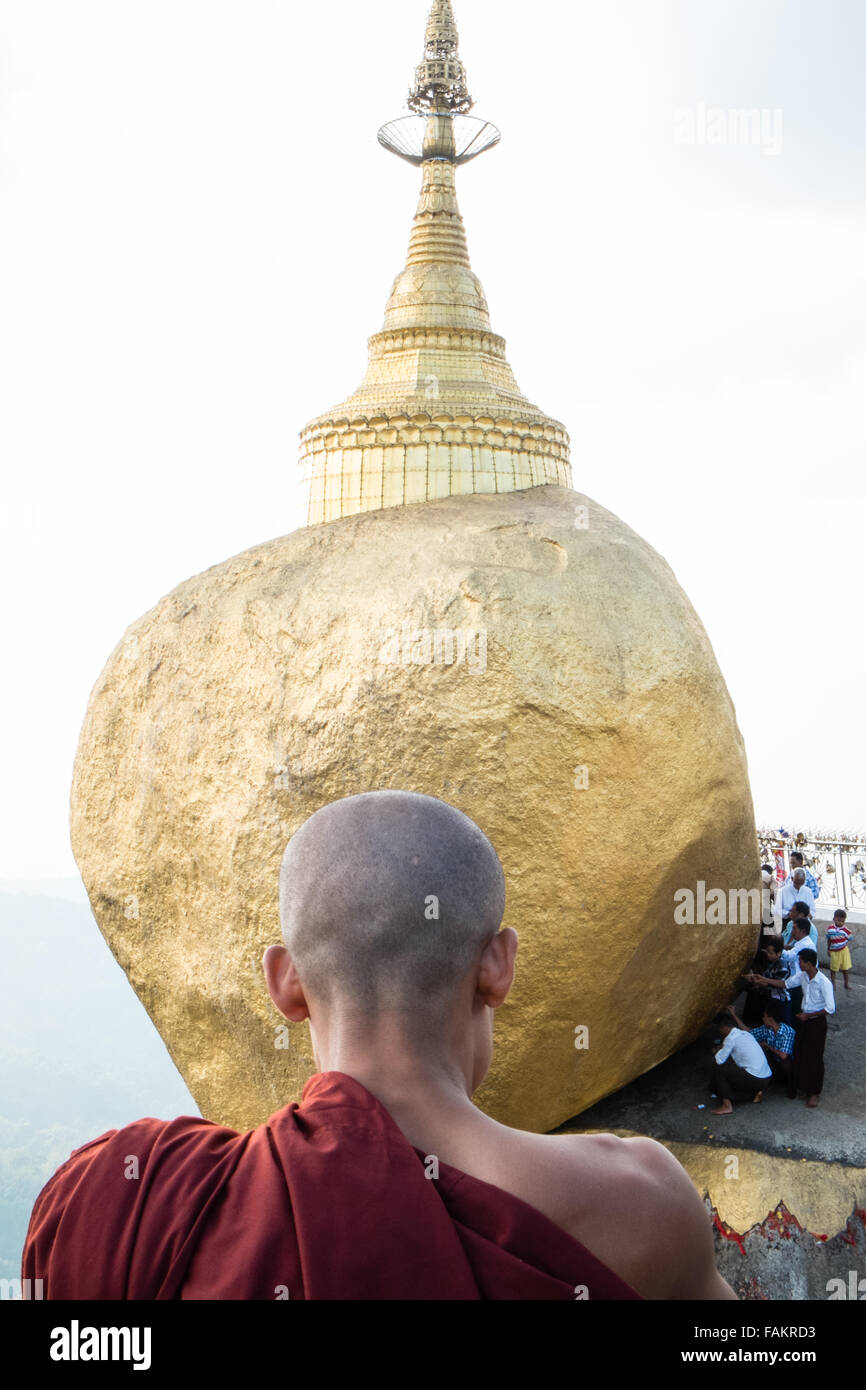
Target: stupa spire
(439, 411)
(440, 78)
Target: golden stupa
(439, 412)
(454, 619)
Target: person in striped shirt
(776, 1039)
(838, 937)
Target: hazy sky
(198, 232)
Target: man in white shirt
(800, 941)
(819, 1000)
(741, 1070)
(801, 910)
(794, 889)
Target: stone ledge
(820, 1196)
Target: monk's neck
(419, 1088)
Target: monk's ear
(284, 987)
(496, 974)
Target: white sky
(198, 232)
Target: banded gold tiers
(439, 412)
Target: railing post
(847, 890)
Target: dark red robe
(327, 1200)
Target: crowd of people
(783, 1029)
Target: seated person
(740, 1071)
(777, 1040)
(386, 1182)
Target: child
(838, 936)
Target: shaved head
(387, 901)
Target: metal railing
(838, 863)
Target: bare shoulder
(634, 1206)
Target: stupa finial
(439, 127)
(440, 78)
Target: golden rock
(504, 644)
(581, 721)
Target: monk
(385, 1182)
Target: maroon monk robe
(328, 1200)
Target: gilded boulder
(524, 656)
